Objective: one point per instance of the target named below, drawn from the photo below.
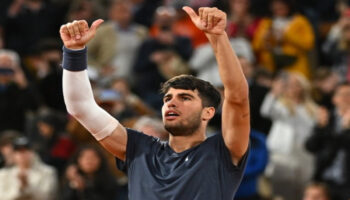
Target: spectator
(277, 41)
(143, 10)
(330, 144)
(49, 73)
(338, 49)
(324, 84)
(29, 178)
(257, 160)
(334, 33)
(121, 85)
(28, 21)
(52, 143)
(88, 177)
(316, 191)
(293, 115)
(88, 10)
(183, 25)
(159, 59)
(16, 95)
(6, 147)
(113, 102)
(204, 64)
(241, 22)
(259, 81)
(113, 49)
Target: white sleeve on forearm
(81, 104)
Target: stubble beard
(184, 127)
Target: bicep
(116, 142)
(236, 128)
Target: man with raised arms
(188, 166)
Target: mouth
(171, 115)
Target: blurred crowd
(294, 54)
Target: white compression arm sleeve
(81, 105)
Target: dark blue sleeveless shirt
(203, 172)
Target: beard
(184, 127)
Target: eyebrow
(180, 94)
(186, 94)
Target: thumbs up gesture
(77, 34)
(209, 20)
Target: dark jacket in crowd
(326, 143)
(14, 103)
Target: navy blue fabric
(156, 172)
(74, 60)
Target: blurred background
(295, 55)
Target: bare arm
(235, 115)
(78, 94)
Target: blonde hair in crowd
(305, 97)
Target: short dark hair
(342, 84)
(207, 92)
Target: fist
(209, 20)
(77, 34)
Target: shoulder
(106, 26)
(265, 22)
(142, 31)
(300, 20)
(140, 139)
(6, 172)
(217, 145)
(42, 168)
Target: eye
(166, 100)
(186, 98)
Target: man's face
(314, 193)
(121, 13)
(89, 161)
(182, 111)
(341, 98)
(23, 157)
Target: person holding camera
(16, 96)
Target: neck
(182, 143)
(24, 167)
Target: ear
(208, 113)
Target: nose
(171, 103)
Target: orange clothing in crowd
(184, 27)
(296, 41)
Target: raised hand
(77, 34)
(209, 20)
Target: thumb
(96, 24)
(190, 12)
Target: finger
(64, 32)
(200, 11)
(76, 30)
(83, 26)
(190, 12)
(205, 17)
(95, 25)
(216, 19)
(70, 30)
(210, 20)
